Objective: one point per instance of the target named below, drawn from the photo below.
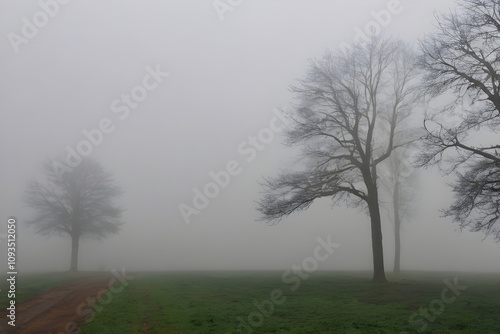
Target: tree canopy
(78, 204)
(461, 59)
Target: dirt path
(50, 311)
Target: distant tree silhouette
(399, 182)
(78, 203)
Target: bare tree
(344, 101)
(78, 203)
(462, 59)
(399, 182)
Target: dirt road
(51, 311)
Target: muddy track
(51, 311)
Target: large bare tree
(346, 101)
(462, 60)
(78, 203)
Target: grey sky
(225, 78)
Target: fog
(228, 73)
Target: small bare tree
(77, 203)
(345, 101)
(462, 59)
(399, 182)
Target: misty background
(225, 78)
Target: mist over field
(181, 101)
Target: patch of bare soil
(51, 311)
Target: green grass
(324, 303)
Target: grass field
(325, 302)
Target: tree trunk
(377, 247)
(74, 252)
(397, 225)
(376, 227)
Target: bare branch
(463, 58)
